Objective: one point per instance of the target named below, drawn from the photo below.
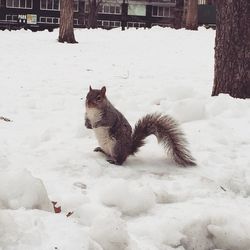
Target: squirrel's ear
(103, 91)
(90, 88)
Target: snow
(21, 189)
(148, 203)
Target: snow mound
(189, 110)
(128, 197)
(21, 189)
(197, 236)
(219, 230)
(35, 229)
(110, 232)
(89, 212)
(230, 232)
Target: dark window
(117, 9)
(9, 17)
(55, 20)
(154, 11)
(49, 5)
(28, 4)
(171, 12)
(42, 19)
(160, 11)
(166, 11)
(8, 3)
(106, 9)
(49, 19)
(112, 9)
(43, 4)
(56, 4)
(130, 25)
(22, 3)
(76, 5)
(106, 23)
(86, 8)
(16, 3)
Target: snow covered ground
(47, 154)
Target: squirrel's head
(96, 98)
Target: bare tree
(191, 14)
(66, 30)
(232, 48)
(93, 6)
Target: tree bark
(232, 48)
(93, 11)
(66, 30)
(192, 15)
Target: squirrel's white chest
(106, 142)
(102, 133)
(94, 115)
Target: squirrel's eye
(98, 98)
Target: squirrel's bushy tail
(167, 132)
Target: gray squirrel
(116, 138)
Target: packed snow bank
(22, 190)
(218, 230)
(35, 229)
(128, 197)
(110, 231)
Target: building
(45, 14)
(34, 14)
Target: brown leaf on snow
(56, 209)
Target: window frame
(11, 4)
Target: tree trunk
(66, 30)
(232, 48)
(93, 10)
(192, 15)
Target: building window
(161, 25)
(49, 5)
(109, 9)
(108, 24)
(159, 11)
(76, 21)
(55, 5)
(137, 10)
(76, 6)
(53, 20)
(136, 25)
(24, 4)
(11, 18)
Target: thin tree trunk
(192, 15)
(232, 48)
(92, 18)
(93, 12)
(66, 30)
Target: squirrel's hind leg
(113, 161)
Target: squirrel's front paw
(98, 149)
